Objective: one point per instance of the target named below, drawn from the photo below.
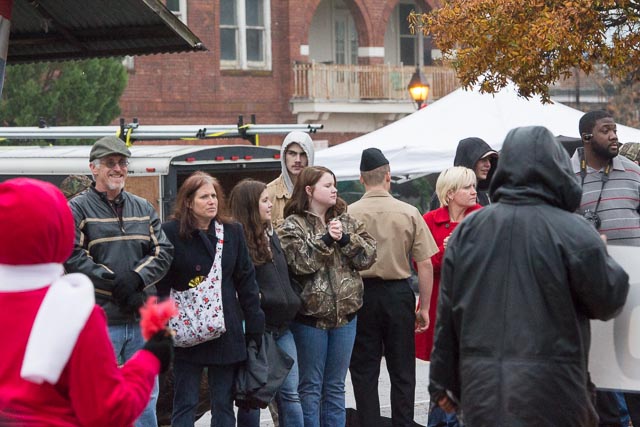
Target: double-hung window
(179, 8)
(245, 34)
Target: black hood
(534, 167)
(469, 151)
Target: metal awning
(57, 30)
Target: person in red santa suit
(57, 364)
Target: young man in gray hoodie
(296, 154)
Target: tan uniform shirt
(279, 196)
(399, 231)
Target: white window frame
(241, 61)
(181, 13)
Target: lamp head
(418, 87)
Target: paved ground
(422, 397)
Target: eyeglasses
(112, 163)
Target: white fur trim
(15, 278)
(60, 319)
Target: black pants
(607, 408)
(633, 404)
(386, 324)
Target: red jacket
(440, 226)
(92, 391)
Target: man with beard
(610, 189)
(610, 183)
(119, 244)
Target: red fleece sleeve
(102, 394)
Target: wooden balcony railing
(333, 82)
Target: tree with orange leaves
(534, 43)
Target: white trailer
(155, 171)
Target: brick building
(343, 63)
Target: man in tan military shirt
(388, 319)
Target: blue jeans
(622, 407)
(127, 339)
(186, 389)
(439, 418)
(323, 360)
(287, 399)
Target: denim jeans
(439, 418)
(323, 360)
(186, 389)
(127, 339)
(287, 399)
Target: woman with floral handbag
(213, 282)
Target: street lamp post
(419, 88)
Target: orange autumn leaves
(534, 43)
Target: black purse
(262, 374)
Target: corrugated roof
(54, 30)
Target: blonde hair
(453, 179)
(375, 176)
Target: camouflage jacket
(330, 287)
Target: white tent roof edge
(425, 142)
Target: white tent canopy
(425, 141)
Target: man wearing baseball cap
(119, 244)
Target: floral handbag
(200, 316)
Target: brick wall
(190, 88)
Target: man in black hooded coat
(475, 154)
(520, 280)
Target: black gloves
(328, 240)
(253, 337)
(344, 240)
(161, 345)
(135, 302)
(127, 291)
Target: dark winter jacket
(469, 151)
(108, 244)
(520, 280)
(240, 300)
(278, 300)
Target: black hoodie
(469, 151)
(520, 280)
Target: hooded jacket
(280, 189)
(520, 280)
(469, 151)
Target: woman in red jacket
(456, 190)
